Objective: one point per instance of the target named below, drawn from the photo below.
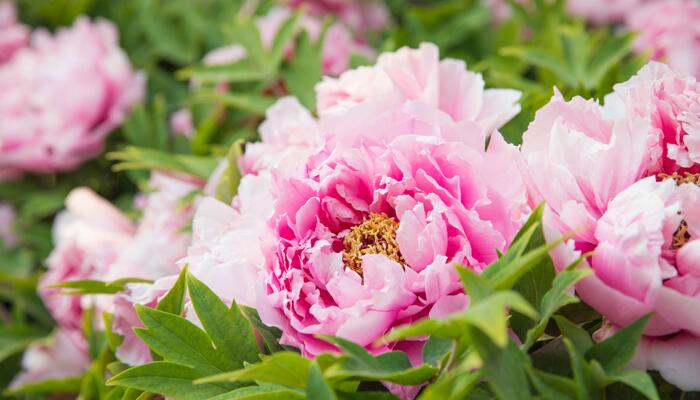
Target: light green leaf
(168, 379)
(638, 380)
(147, 159)
(231, 333)
(178, 340)
(392, 366)
(173, 301)
(616, 351)
(579, 338)
(317, 387)
(304, 70)
(284, 368)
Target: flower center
(681, 236)
(375, 235)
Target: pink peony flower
(612, 176)
(64, 355)
(366, 240)
(671, 102)
(13, 35)
(62, 95)
(417, 78)
(361, 16)
(669, 30)
(7, 219)
(399, 173)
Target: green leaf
(265, 392)
(639, 380)
(305, 70)
(49, 386)
(284, 368)
(616, 351)
(490, 315)
(557, 297)
(392, 366)
(227, 188)
(317, 387)
(168, 379)
(587, 385)
(503, 366)
(147, 159)
(476, 287)
(233, 73)
(269, 334)
(284, 36)
(245, 32)
(436, 349)
(173, 301)
(609, 54)
(88, 286)
(178, 340)
(249, 103)
(230, 331)
(15, 338)
(579, 338)
(542, 58)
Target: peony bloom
(418, 79)
(366, 240)
(63, 355)
(612, 176)
(62, 95)
(7, 219)
(671, 102)
(361, 15)
(13, 35)
(336, 247)
(181, 123)
(669, 30)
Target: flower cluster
(624, 178)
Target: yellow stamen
(376, 235)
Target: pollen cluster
(375, 235)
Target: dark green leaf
(616, 351)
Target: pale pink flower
(360, 15)
(162, 234)
(417, 78)
(671, 102)
(13, 35)
(288, 136)
(63, 355)
(578, 158)
(89, 237)
(669, 30)
(62, 95)
(7, 219)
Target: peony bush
(349, 199)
